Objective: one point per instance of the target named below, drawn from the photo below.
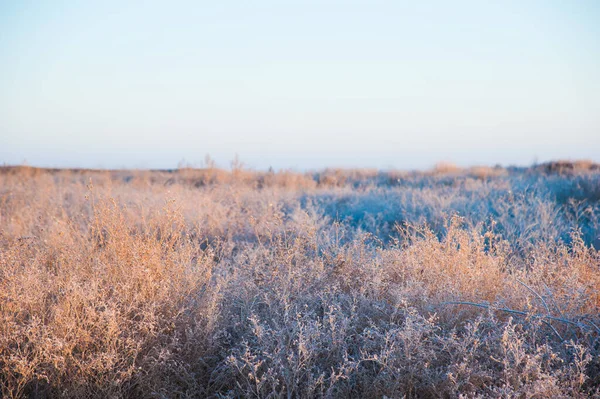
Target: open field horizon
(401, 199)
(449, 282)
(209, 163)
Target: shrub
(338, 284)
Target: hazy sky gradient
(302, 84)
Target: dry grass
(211, 283)
(445, 168)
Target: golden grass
(208, 283)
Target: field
(479, 282)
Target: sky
(298, 84)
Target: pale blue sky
(302, 84)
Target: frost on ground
(481, 282)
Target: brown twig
(544, 318)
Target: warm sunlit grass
(481, 282)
